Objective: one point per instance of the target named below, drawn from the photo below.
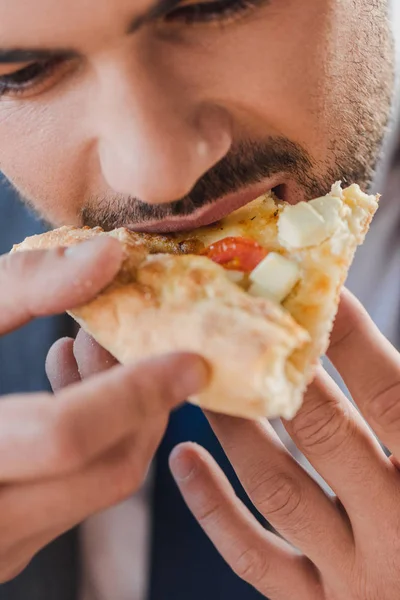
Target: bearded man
(163, 116)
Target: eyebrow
(27, 55)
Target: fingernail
(80, 250)
(182, 465)
(88, 249)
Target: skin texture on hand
(349, 543)
(93, 441)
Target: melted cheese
(257, 220)
(289, 230)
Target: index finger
(46, 282)
(370, 367)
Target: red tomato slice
(236, 253)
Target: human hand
(349, 545)
(65, 458)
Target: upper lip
(210, 213)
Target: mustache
(246, 164)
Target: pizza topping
(301, 226)
(337, 190)
(235, 276)
(166, 244)
(260, 291)
(329, 207)
(236, 253)
(274, 277)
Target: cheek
(43, 157)
(275, 74)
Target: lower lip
(208, 214)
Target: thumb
(46, 282)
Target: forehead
(60, 22)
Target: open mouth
(221, 208)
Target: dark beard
(246, 164)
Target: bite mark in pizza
(255, 294)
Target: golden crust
(262, 354)
(186, 303)
(314, 301)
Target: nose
(155, 144)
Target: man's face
(121, 112)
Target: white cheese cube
(276, 275)
(329, 207)
(260, 292)
(301, 226)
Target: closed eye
(37, 74)
(213, 11)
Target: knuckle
(321, 427)
(343, 333)
(14, 269)
(208, 514)
(14, 266)
(252, 565)
(277, 494)
(382, 409)
(350, 323)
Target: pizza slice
(255, 294)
